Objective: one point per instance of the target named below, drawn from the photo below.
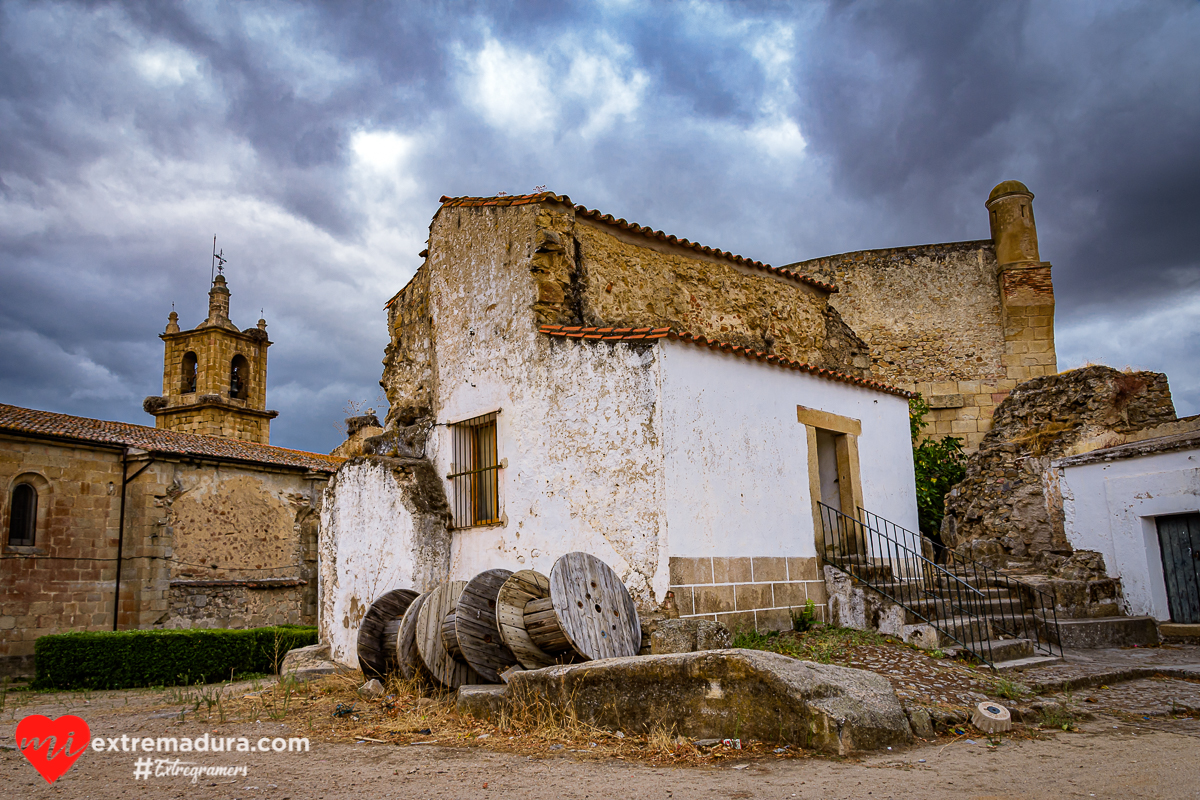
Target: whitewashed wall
(578, 429)
(578, 425)
(736, 458)
(1110, 507)
(369, 544)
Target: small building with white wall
(1138, 504)
(561, 381)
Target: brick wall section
(747, 592)
(944, 320)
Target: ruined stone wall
(573, 269)
(234, 523)
(408, 362)
(944, 320)
(1006, 511)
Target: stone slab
(482, 701)
(1179, 631)
(727, 693)
(1090, 634)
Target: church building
(196, 522)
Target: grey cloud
(112, 180)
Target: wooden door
(1179, 537)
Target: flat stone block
(1179, 630)
(1088, 634)
(803, 569)
(770, 569)
(749, 596)
(731, 570)
(483, 701)
(686, 571)
(713, 599)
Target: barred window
(475, 472)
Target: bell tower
(215, 376)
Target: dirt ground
(1107, 756)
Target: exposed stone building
(112, 526)
(961, 323)
(215, 376)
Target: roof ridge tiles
(34, 422)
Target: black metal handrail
(959, 603)
(1020, 620)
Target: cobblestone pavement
(920, 679)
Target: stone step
(1018, 664)
(1086, 634)
(1009, 649)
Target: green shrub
(805, 618)
(938, 465)
(125, 659)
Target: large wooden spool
(408, 660)
(443, 668)
(514, 601)
(378, 631)
(476, 634)
(593, 608)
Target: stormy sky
(314, 139)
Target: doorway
(1179, 538)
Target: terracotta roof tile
(644, 334)
(14, 419)
(608, 219)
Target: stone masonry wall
(747, 593)
(183, 520)
(944, 320)
(1005, 511)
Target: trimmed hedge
(125, 659)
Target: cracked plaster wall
(383, 527)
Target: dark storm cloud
(315, 139)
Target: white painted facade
(1110, 506)
(736, 458)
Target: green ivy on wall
(939, 465)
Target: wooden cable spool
(408, 660)
(443, 668)
(594, 611)
(378, 630)
(514, 602)
(477, 634)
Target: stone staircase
(945, 610)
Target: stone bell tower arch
(215, 376)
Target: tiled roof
(14, 419)
(642, 334)
(608, 219)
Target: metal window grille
(475, 472)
